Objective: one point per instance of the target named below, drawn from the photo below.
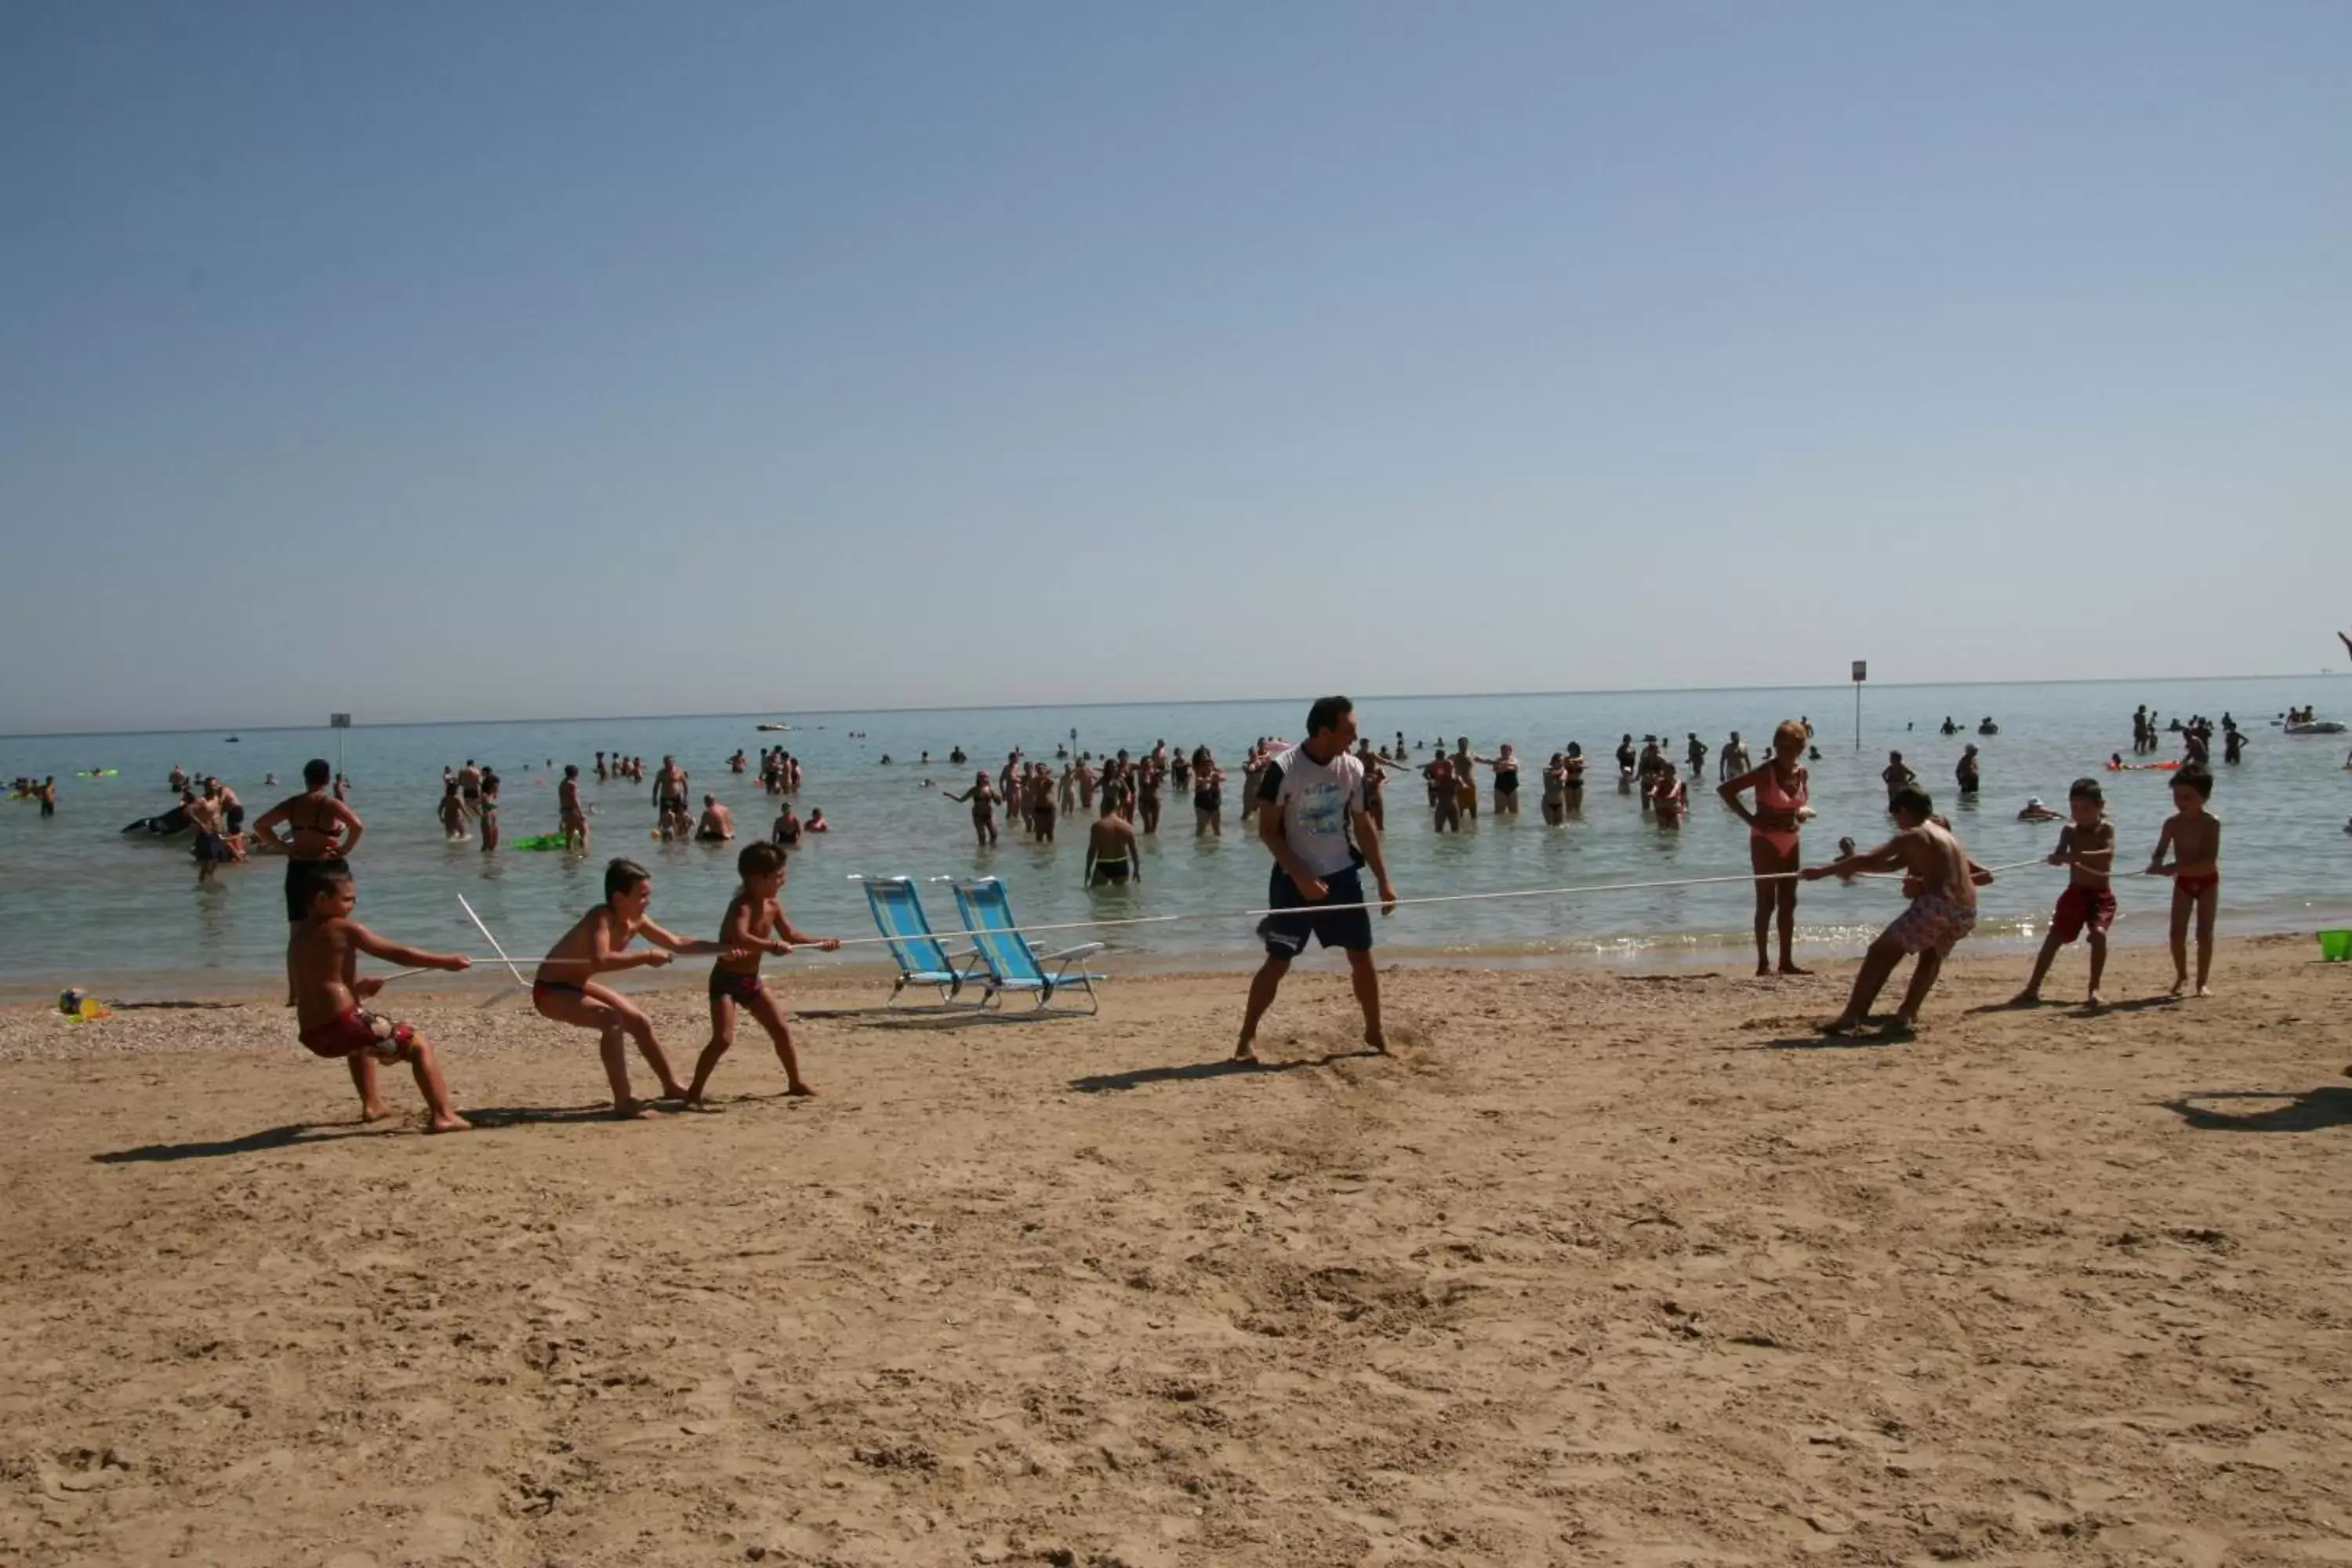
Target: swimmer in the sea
(1114, 854)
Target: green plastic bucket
(2334, 946)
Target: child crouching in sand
(323, 959)
(562, 991)
(755, 924)
(1942, 881)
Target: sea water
(84, 904)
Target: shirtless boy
(2194, 835)
(563, 990)
(1114, 854)
(322, 959)
(1943, 882)
(2088, 903)
(755, 924)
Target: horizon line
(1171, 702)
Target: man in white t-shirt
(1311, 815)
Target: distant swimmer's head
(1575, 749)
(1911, 806)
(709, 800)
(572, 770)
(334, 894)
(1893, 756)
(629, 886)
(761, 867)
(1789, 739)
(2195, 782)
(317, 772)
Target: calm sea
(88, 905)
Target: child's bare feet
(1844, 1024)
(374, 1112)
(799, 1091)
(1788, 967)
(1246, 1051)
(453, 1123)
(2179, 985)
(1376, 1040)
(2204, 991)
(2026, 998)
(633, 1111)
(1900, 1028)
(1763, 968)
(2095, 1003)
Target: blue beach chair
(1012, 965)
(922, 958)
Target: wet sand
(1593, 1269)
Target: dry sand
(1593, 1269)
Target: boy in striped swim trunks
(1942, 881)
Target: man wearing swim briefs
(324, 832)
(1114, 854)
(1942, 881)
(1312, 820)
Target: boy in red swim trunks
(755, 924)
(562, 991)
(323, 959)
(2194, 835)
(2088, 845)
(1943, 882)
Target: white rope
(493, 941)
(1588, 888)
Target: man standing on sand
(1312, 818)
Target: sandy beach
(1592, 1269)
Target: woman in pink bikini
(1772, 842)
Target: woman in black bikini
(982, 795)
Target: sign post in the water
(1861, 674)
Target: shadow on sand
(2305, 1111)
(294, 1135)
(1195, 1072)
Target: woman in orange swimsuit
(1772, 838)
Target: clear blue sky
(454, 360)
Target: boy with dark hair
(322, 958)
(1942, 881)
(2088, 903)
(593, 946)
(2194, 835)
(754, 924)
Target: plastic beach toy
(2334, 946)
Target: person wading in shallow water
(1312, 818)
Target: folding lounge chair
(1012, 965)
(922, 958)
